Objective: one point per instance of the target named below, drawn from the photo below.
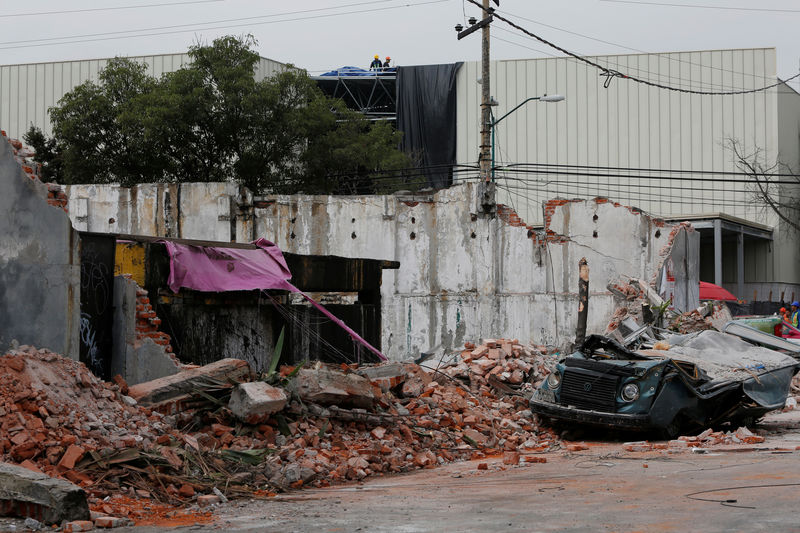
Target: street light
(543, 98)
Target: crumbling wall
(189, 211)
(39, 263)
(140, 351)
(462, 275)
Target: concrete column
(740, 265)
(718, 252)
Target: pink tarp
(214, 269)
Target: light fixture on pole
(544, 98)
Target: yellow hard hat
(377, 56)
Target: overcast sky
(320, 35)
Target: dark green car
(702, 379)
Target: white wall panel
(28, 91)
(627, 125)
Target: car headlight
(554, 380)
(630, 392)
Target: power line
(618, 193)
(496, 38)
(661, 170)
(108, 8)
(667, 55)
(610, 73)
(106, 36)
(659, 75)
(625, 186)
(769, 10)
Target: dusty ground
(754, 488)
(604, 488)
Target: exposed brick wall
(510, 217)
(24, 156)
(147, 322)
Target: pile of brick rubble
(58, 418)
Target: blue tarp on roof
(358, 71)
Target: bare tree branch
(768, 194)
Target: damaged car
(682, 383)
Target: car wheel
(742, 421)
(673, 429)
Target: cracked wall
(39, 264)
(462, 275)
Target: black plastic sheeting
(426, 114)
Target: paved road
(749, 488)
(603, 489)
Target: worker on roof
(376, 63)
(388, 63)
(793, 317)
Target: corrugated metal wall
(27, 91)
(626, 125)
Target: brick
(535, 459)
(255, 402)
(110, 521)
(476, 436)
(511, 458)
(78, 525)
(208, 499)
(71, 456)
(576, 447)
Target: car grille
(586, 389)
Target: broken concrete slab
(253, 402)
(326, 386)
(386, 376)
(25, 493)
(416, 381)
(171, 392)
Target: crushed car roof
(722, 356)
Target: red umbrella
(709, 291)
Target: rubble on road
(321, 425)
(706, 439)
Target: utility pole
(485, 157)
(487, 187)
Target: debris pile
(690, 321)
(209, 433)
(706, 439)
(54, 411)
(504, 361)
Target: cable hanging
(609, 73)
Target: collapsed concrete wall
(140, 352)
(39, 264)
(465, 276)
(461, 275)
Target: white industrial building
(650, 148)
(642, 146)
(27, 91)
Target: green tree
(47, 152)
(99, 141)
(212, 121)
